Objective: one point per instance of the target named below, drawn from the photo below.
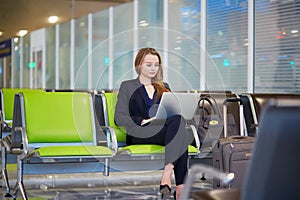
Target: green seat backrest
(8, 95)
(111, 101)
(54, 117)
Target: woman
(137, 104)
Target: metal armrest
(4, 123)
(6, 142)
(196, 136)
(5, 127)
(24, 139)
(111, 137)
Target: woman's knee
(178, 119)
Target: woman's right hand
(145, 121)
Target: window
(277, 46)
(227, 30)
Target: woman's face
(149, 66)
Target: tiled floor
(92, 186)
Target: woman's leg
(179, 190)
(174, 137)
(171, 134)
(180, 171)
(179, 145)
(180, 168)
(159, 138)
(167, 175)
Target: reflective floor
(118, 185)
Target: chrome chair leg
(4, 172)
(106, 167)
(19, 184)
(22, 190)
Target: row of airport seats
(53, 127)
(149, 156)
(255, 104)
(110, 138)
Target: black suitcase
(232, 154)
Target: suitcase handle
(212, 103)
(237, 137)
(232, 100)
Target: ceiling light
(16, 39)
(1, 33)
(143, 23)
(21, 33)
(52, 19)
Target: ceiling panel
(33, 14)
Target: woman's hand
(145, 121)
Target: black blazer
(131, 106)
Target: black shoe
(165, 190)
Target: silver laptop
(173, 103)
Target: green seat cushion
(52, 151)
(144, 149)
(192, 149)
(151, 149)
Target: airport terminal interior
(62, 63)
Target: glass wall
(64, 55)
(184, 45)
(26, 77)
(81, 53)
(100, 51)
(16, 62)
(227, 33)
(50, 57)
(121, 45)
(100, 54)
(277, 67)
(150, 24)
(5, 71)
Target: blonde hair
(157, 81)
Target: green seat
(7, 145)
(58, 127)
(7, 106)
(153, 149)
(7, 101)
(120, 133)
(60, 151)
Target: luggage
(209, 122)
(232, 154)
